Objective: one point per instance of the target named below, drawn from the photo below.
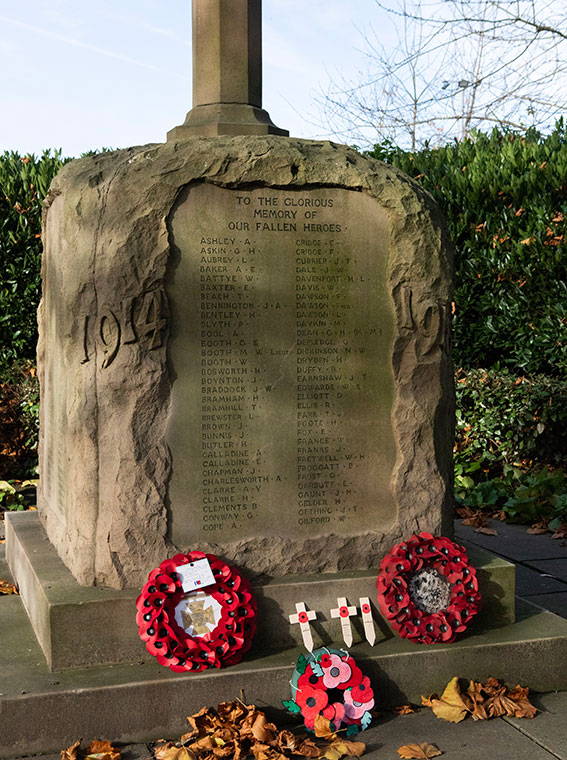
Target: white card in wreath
(195, 575)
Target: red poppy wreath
(329, 683)
(427, 589)
(201, 629)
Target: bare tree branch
(457, 65)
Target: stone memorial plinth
(244, 349)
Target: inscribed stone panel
(280, 347)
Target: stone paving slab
(530, 581)
(469, 740)
(543, 738)
(514, 542)
(554, 567)
(5, 574)
(549, 729)
(556, 603)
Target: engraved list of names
(280, 348)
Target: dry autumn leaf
(538, 528)
(102, 750)
(71, 752)
(450, 706)
(475, 700)
(421, 751)
(402, 710)
(263, 731)
(524, 708)
(9, 588)
(323, 728)
(500, 705)
(487, 531)
(307, 748)
(477, 520)
(169, 751)
(341, 747)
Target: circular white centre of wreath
(198, 613)
(429, 591)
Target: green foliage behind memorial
(504, 195)
(24, 181)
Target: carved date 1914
(138, 319)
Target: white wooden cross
(344, 612)
(303, 616)
(369, 630)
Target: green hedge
(505, 198)
(511, 446)
(505, 419)
(24, 181)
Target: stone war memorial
(244, 350)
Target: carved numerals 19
(139, 319)
(428, 317)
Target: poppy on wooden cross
(344, 612)
(303, 617)
(366, 611)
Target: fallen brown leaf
(475, 700)
(493, 687)
(323, 728)
(402, 710)
(265, 752)
(9, 588)
(524, 708)
(170, 751)
(538, 529)
(307, 748)
(500, 705)
(450, 706)
(487, 531)
(476, 521)
(341, 747)
(421, 751)
(102, 751)
(71, 752)
(262, 730)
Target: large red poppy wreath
(329, 683)
(427, 589)
(191, 632)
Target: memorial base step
(65, 614)
(44, 712)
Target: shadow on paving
(541, 561)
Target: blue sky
(91, 73)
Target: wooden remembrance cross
(227, 72)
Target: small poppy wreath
(226, 612)
(427, 589)
(329, 683)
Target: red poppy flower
(427, 590)
(325, 660)
(335, 714)
(363, 692)
(354, 710)
(310, 680)
(312, 702)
